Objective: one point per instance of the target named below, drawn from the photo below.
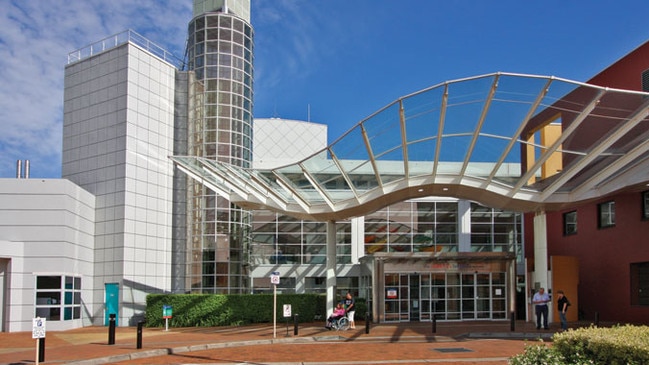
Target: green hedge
(209, 310)
(618, 345)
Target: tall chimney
(19, 169)
(26, 169)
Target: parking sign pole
(274, 280)
(38, 333)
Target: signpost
(287, 315)
(38, 332)
(166, 314)
(274, 279)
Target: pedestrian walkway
(484, 343)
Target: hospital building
(453, 203)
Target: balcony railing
(119, 39)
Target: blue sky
(329, 61)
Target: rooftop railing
(119, 39)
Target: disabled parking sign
(38, 327)
(274, 278)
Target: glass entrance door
(447, 296)
(415, 305)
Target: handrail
(119, 39)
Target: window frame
(57, 297)
(606, 217)
(637, 271)
(570, 224)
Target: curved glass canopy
(510, 141)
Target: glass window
(645, 80)
(281, 239)
(494, 230)
(570, 223)
(58, 294)
(315, 285)
(606, 214)
(645, 205)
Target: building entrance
(447, 296)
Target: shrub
(617, 345)
(538, 355)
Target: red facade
(606, 255)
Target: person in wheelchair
(338, 313)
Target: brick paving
(484, 343)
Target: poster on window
(391, 294)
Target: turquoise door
(112, 302)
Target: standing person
(540, 301)
(349, 304)
(562, 306)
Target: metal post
(41, 349)
(367, 322)
(512, 326)
(597, 319)
(295, 321)
(111, 329)
(139, 334)
(434, 323)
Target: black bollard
(295, 324)
(434, 323)
(139, 334)
(111, 329)
(512, 325)
(41, 349)
(367, 322)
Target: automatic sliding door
(397, 298)
(453, 296)
(392, 306)
(448, 296)
(425, 298)
(414, 298)
(468, 296)
(483, 297)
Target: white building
(47, 254)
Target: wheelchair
(340, 324)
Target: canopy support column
(331, 266)
(540, 251)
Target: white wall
(46, 227)
(117, 136)
(279, 142)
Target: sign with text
(38, 327)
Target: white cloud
(35, 41)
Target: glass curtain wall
(464, 291)
(280, 239)
(413, 226)
(220, 53)
(494, 230)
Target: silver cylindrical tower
(220, 53)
